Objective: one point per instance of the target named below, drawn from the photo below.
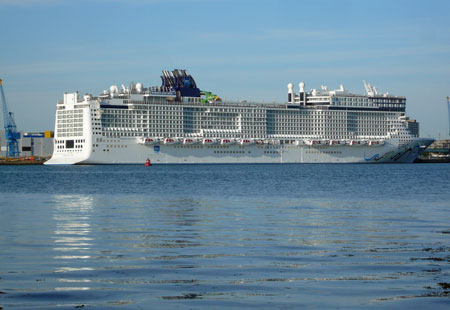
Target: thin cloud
(270, 34)
(55, 67)
(27, 2)
(41, 2)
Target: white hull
(160, 153)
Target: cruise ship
(177, 123)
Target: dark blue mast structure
(11, 134)
(181, 82)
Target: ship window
(70, 144)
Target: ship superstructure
(178, 123)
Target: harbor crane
(11, 134)
(448, 108)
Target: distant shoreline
(432, 161)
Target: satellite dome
(301, 85)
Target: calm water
(225, 236)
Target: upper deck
(179, 88)
(341, 99)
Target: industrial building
(439, 148)
(413, 126)
(39, 144)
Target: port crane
(448, 108)
(11, 134)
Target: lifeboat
(376, 142)
(335, 142)
(170, 141)
(246, 141)
(357, 143)
(209, 141)
(148, 140)
(227, 141)
(190, 141)
(313, 142)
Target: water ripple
(258, 236)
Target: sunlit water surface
(225, 236)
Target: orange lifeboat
(335, 142)
(313, 142)
(189, 141)
(209, 141)
(170, 141)
(376, 142)
(357, 142)
(246, 141)
(148, 140)
(227, 141)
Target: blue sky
(241, 49)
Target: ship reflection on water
(73, 240)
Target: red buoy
(148, 163)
